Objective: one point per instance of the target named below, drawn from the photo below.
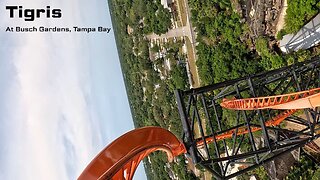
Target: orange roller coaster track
(289, 102)
(298, 100)
(120, 159)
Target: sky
(62, 95)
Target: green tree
(299, 12)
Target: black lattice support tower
(203, 117)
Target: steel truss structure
(204, 118)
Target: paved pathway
(187, 31)
(178, 32)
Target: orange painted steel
(120, 159)
(289, 102)
(244, 130)
(298, 100)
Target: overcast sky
(62, 96)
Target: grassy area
(192, 64)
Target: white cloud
(48, 127)
(56, 91)
(49, 120)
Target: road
(185, 31)
(280, 24)
(178, 32)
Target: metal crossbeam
(203, 117)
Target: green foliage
(262, 46)
(179, 76)
(269, 60)
(151, 98)
(146, 16)
(299, 12)
(280, 34)
(155, 48)
(162, 22)
(156, 17)
(259, 172)
(180, 169)
(316, 174)
(298, 56)
(226, 57)
(222, 55)
(305, 169)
